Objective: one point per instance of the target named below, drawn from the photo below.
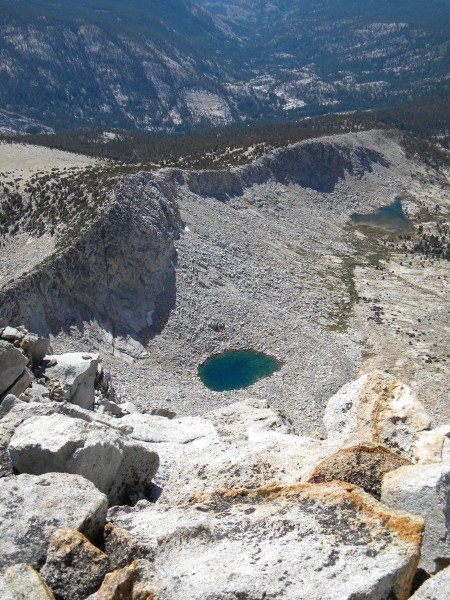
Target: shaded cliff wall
(119, 272)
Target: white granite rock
(34, 507)
(120, 467)
(175, 440)
(428, 447)
(36, 393)
(376, 408)
(235, 421)
(35, 347)
(341, 413)
(307, 542)
(76, 372)
(12, 334)
(5, 590)
(21, 383)
(424, 490)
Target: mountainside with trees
(175, 66)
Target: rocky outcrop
(314, 164)
(34, 507)
(376, 408)
(118, 466)
(74, 374)
(245, 543)
(74, 568)
(94, 279)
(424, 490)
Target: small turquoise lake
(390, 217)
(236, 369)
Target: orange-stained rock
(298, 541)
(118, 585)
(137, 581)
(74, 567)
(375, 408)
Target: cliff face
(119, 273)
(318, 165)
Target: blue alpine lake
(390, 217)
(236, 369)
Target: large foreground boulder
(245, 444)
(306, 541)
(119, 467)
(265, 456)
(34, 507)
(424, 490)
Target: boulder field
(102, 502)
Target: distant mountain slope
(343, 53)
(137, 64)
(172, 65)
